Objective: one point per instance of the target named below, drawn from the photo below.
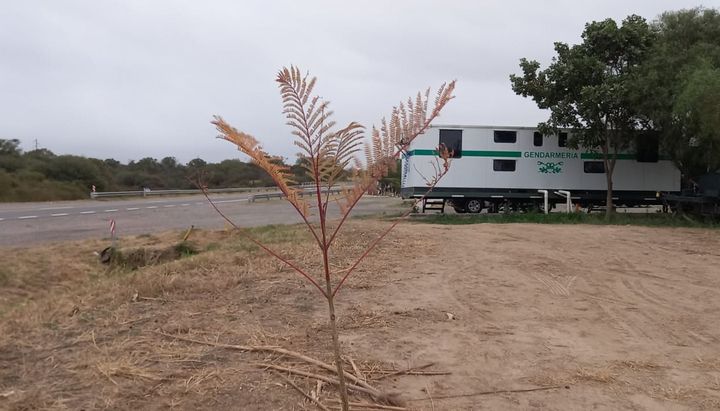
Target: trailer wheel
(474, 206)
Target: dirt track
(625, 317)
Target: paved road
(34, 223)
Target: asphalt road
(37, 223)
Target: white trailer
(506, 166)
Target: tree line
(636, 83)
(41, 175)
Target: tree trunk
(336, 349)
(609, 198)
(609, 167)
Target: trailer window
(537, 139)
(504, 136)
(504, 165)
(562, 139)
(452, 140)
(594, 167)
(647, 148)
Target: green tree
(587, 88)
(678, 90)
(40, 153)
(196, 164)
(75, 169)
(10, 147)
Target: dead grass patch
(75, 334)
(83, 331)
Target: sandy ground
(602, 317)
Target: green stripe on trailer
(476, 153)
(469, 153)
(599, 156)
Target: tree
(678, 89)
(196, 164)
(147, 164)
(587, 88)
(169, 163)
(329, 152)
(75, 169)
(40, 153)
(10, 147)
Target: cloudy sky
(136, 78)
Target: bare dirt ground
(604, 317)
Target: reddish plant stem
(385, 233)
(263, 246)
(307, 222)
(328, 284)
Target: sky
(128, 79)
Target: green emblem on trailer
(550, 167)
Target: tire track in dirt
(656, 319)
(633, 321)
(556, 287)
(620, 325)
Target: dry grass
(77, 334)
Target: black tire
(474, 206)
(460, 210)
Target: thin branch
(261, 245)
(374, 406)
(356, 370)
(270, 349)
(357, 388)
(475, 394)
(407, 370)
(427, 373)
(432, 403)
(306, 395)
(387, 231)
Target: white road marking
(1, 219)
(87, 212)
(184, 204)
(112, 210)
(54, 208)
(151, 207)
(25, 217)
(200, 203)
(169, 205)
(230, 201)
(132, 208)
(59, 215)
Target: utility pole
(36, 145)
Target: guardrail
(148, 193)
(268, 196)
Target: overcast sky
(135, 78)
